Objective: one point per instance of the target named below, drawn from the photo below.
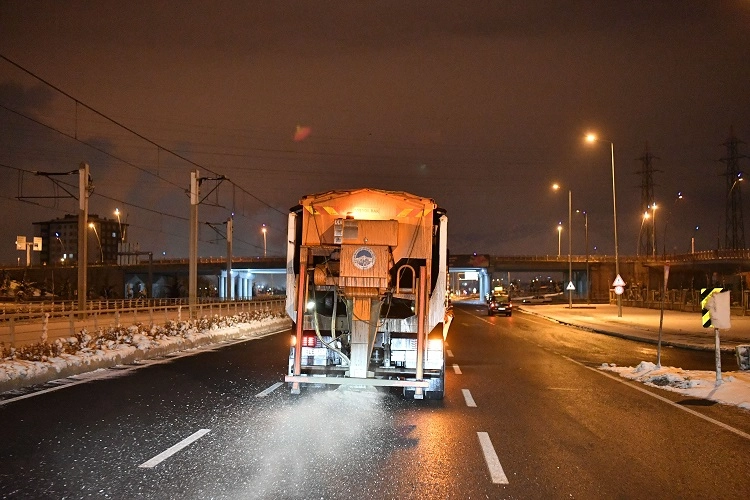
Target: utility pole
(734, 226)
(83, 217)
(647, 239)
(193, 265)
(229, 282)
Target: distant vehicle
(500, 304)
(537, 299)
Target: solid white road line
(269, 390)
(668, 401)
(450, 353)
(174, 449)
(469, 400)
(456, 370)
(493, 463)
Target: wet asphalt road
(526, 415)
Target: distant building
(60, 240)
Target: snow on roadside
(130, 346)
(734, 389)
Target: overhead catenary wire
(128, 129)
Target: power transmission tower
(734, 226)
(647, 236)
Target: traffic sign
(705, 294)
(618, 281)
(570, 286)
(619, 290)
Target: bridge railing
(678, 300)
(24, 328)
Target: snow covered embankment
(89, 351)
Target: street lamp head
(740, 177)
(679, 195)
(646, 215)
(590, 137)
(91, 225)
(555, 186)
(117, 212)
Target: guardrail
(57, 308)
(30, 327)
(678, 300)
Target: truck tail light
(309, 341)
(435, 345)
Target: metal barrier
(55, 321)
(677, 300)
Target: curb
(134, 355)
(636, 338)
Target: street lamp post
(101, 252)
(570, 243)
(592, 138)
(119, 223)
(666, 223)
(559, 237)
(653, 230)
(692, 240)
(264, 230)
(586, 229)
(62, 246)
(646, 215)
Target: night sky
(478, 105)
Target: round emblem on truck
(363, 258)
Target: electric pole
(84, 181)
(647, 238)
(193, 265)
(734, 226)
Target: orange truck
(367, 275)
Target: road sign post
(715, 304)
(619, 286)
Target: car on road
(537, 299)
(500, 304)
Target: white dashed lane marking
(450, 353)
(174, 449)
(269, 390)
(469, 400)
(456, 370)
(493, 463)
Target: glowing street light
(559, 237)
(591, 138)
(101, 252)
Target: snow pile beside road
(734, 389)
(126, 344)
